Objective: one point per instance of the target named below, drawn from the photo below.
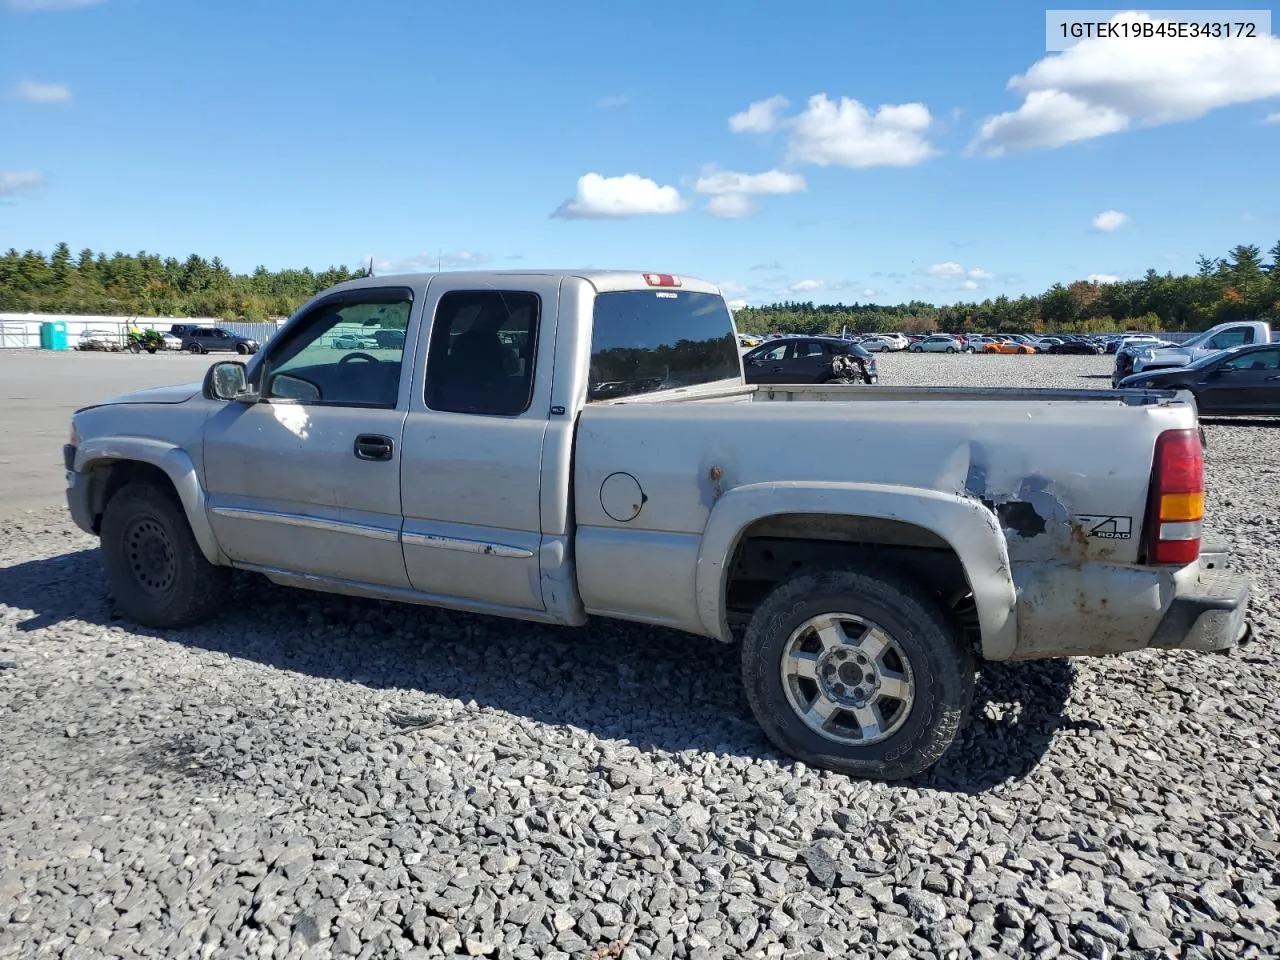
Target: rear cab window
(644, 341)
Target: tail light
(1176, 514)
(661, 280)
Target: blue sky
(931, 151)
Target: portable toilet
(53, 335)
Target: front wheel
(858, 673)
(194, 348)
(154, 568)
(242, 349)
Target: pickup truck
(1145, 357)
(557, 446)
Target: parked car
(1078, 347)
(1007, 346)
(351, 341)
(748, 340)
(810, 360)
(938, 343)
(99, 339)
(862, 556)
(974, 343)
(1239, 380)
(1139, 359)
(216, 339)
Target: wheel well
(775, 548)
(112, 476)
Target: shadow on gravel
(656, 688)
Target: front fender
(177, 466)
(970, 528)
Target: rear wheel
(153, 565)
(194, 348)
(951, 349)
(858, 673)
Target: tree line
(147, 285)
(1241, 285)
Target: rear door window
(648, 340)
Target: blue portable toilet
(53, 335)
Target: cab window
(320, 363)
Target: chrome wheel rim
(847, 679)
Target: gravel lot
(323, 777)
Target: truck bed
(850, 393)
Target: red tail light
(1176, 514)
(661, 280)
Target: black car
(197, 339)
(1080, 347)
(810, 360)
(1241, 380)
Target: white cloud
(1103, 278)
(771, 265)
(731, 206)
(32, 91)
(948, 269)
(731, 192)
(969, 285)
(977, 273)
(760, 117)
(1047, 118)
(868, 292)
(49, 4)
(732, 287)
(1110, 220)
(806, 286)
(1104, 85)
(618, 100)
(847, 134)
(629, 195)
(14, 182)
(771, 181)
(1271, 118)
(736, 304)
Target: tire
(134, 348)
(242, 349)
(922, 654)
(951, 349)
(151, 350)
(154, 568)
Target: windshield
(647, 340)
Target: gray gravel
(319, 777)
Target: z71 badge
(1108, 528)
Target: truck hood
(179, 394)
(1163, 358)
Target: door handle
(373, 446)
(777, 369)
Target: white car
(896, 341)
(886, 341)
(975, 343)
(938, 343)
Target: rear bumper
(1099, 609)
(1210, 616)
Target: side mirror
(227, 380)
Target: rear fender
(170, 459)
(972, 531)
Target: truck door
(307, 479)
(473, 442)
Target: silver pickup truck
(552, 446)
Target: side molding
(971, 530)
(177, 466)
